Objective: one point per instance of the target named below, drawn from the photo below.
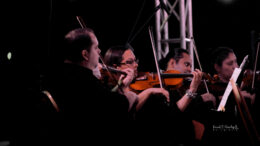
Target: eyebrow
(130, 59)
(231, 62)
(187, 63)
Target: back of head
(75, 41)
(176, 54)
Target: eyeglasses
(187, 64)
(130, 62)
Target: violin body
(151, 80)
(250, 79)
(148, 80)
(171, 79)
(109, 78)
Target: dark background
(33, 30)
(116, 22)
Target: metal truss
(184, 17)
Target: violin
(110, 75)
(249, 79)
(216, 87)
(172, 79)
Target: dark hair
(114, 54)
(76, 41)
(176, 54)
(220, 54)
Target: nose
(235, 65)
(188, 68)
(135, 64)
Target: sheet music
(228, 90)
(234, 76)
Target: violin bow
(249, 122)
(155, 57)
(81, 22)
(53, 102)
(255, 64)
(197, 57)
(156, 61)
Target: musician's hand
(208, 97)
(246, 94)
(127, 80)
(197, 76)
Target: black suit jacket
(89, 112)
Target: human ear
(85, 54)
(171, 63)
(217, 67)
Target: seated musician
(88, 112)
(224, 61)
(154, 114)
(178, 59)
(123, 58)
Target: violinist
(88, 112)
(154, 114)
(179, 60)
(224, 61)
(121, 58)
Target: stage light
(9, 55)
(226, 2)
